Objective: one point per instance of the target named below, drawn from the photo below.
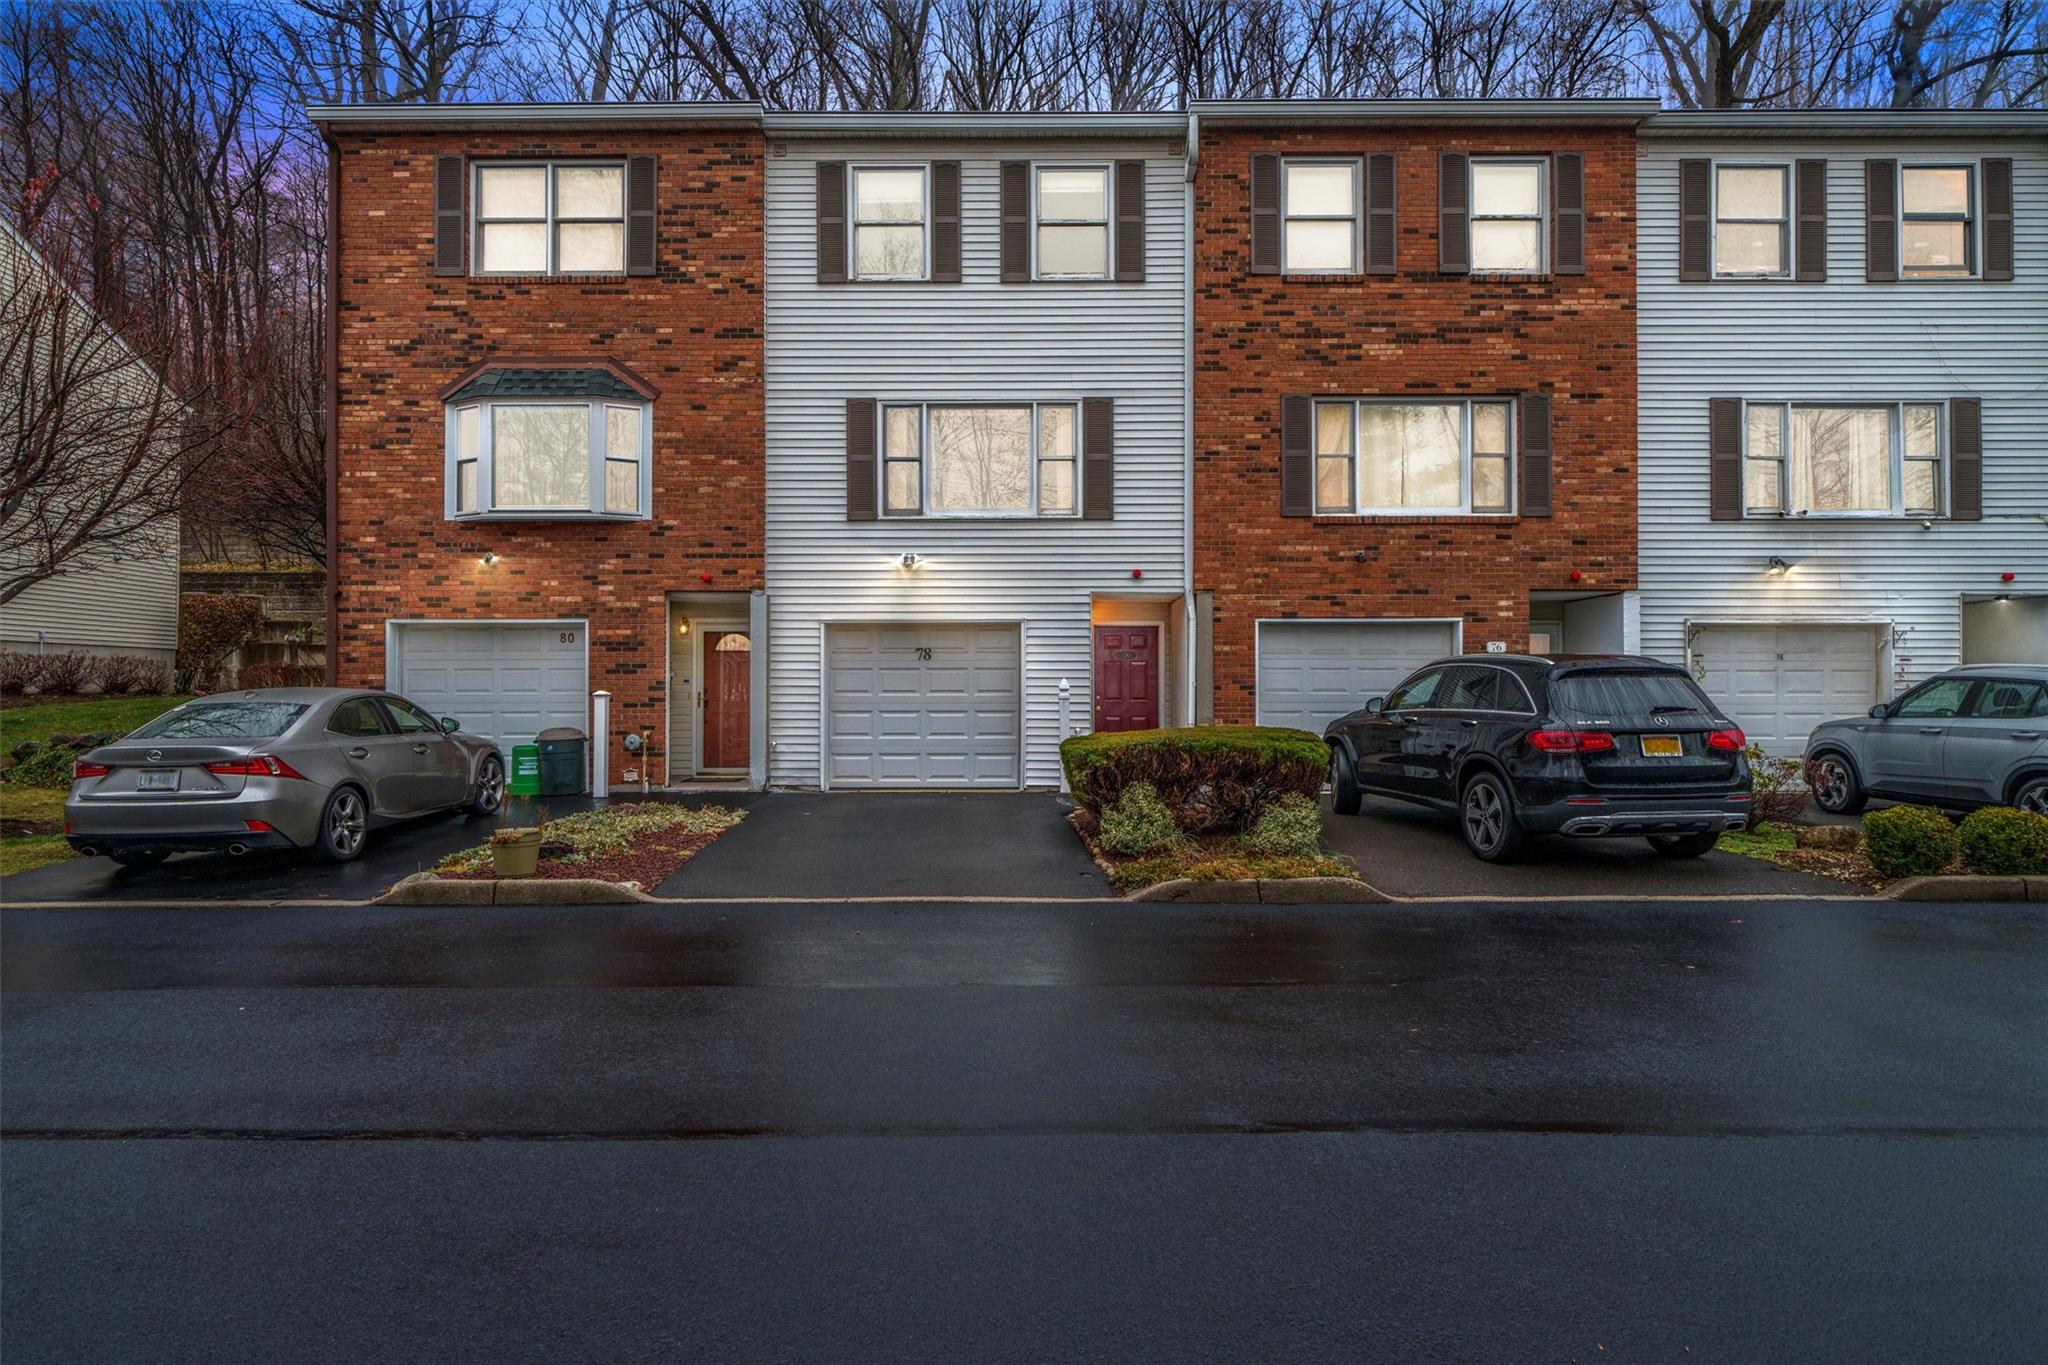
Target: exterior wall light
(911, 561)
(1778, 567)
(683, 625)
(489, 558)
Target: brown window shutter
(1297, 456)
(1016, 226)
(1568, 208)
(1966, 459)
(1098, 459)
(1880, 220)
(1379, 214)
(449, 225)
(1130, 221)
(831, 222)
(1695, 225)
(1453, 213)
(1535, 455)
(1998, 218)
(1266, 214)
(861, 491)
(945, 222)
(640, 181)
(1724, 458)
(1810, 190)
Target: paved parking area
(1408, 851)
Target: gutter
(1190, 667)
(1615, 113)
(1889, 123)
(368, 117)
(971, 125)
(331, 423)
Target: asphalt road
(1774, 1131)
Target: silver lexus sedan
(280, 767)
(1973, 736)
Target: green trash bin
(525, 779)
(561, 761)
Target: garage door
(922, 705)
(1779, 681)
(505, 682)
(1311, 672)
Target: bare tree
(1942, 52)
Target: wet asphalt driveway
(1733, 1132)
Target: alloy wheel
(345, 824)
(2033, 797)
(1485, 815)
(1831, 783)
(490, 786)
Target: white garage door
(505, 682)
(1779, 681)
(1311, 672)
(922, 705)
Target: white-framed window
(1937, 222)
(1844, 459)
(1436, 457)
(891, 215)
(1752, 221)
(549, 457)
(1509, 218)
(549, 218)
(981, 459)
(1070, 205)
(1319, 213)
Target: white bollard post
(600, 744)
(1066, 730)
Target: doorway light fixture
(682, 625)
(1778, 567)
(910, 560)
(488, 558)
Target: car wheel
(1685, 845)
(2032, 794)
(1835, 788)
(490, 787)
(343, 824)
(1344, 794)
(1486, 817)
(140, 858)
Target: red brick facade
(1418, 332)
(693, 330)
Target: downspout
(1191, 670)
(331, 422)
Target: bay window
(513, 457)
(1843, 459)
(1436, 457)
(959, 460)
(550, 219)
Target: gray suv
(1973, 736)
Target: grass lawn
(1766, 841)
(32, 818)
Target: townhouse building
(976, 436)
(546, 441)
(1843, 379)
(1414, 395)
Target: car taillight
(1729, 741)
(84, 769)
(256, 765)
(1572, 741)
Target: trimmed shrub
(1213, 777)
(2002, 842)
(1780, 792)
(1909, 841)
(134, 675)
(211, 626)
(1138, 824)
(1291, 827)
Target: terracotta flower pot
(517, 857)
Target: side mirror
(449, 725)
(1879, 711)
(1375, 706)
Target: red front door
(1126, 677)
(728, 658)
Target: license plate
(157, 780)
(1662, 746)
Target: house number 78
(924, 654)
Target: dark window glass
(1417, 691)
(1470, 689)
(410, 719)
(359, 718)
(1941, 699)
(2008, 699)
(223, 720)
(1628, 695)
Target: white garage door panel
(896, 720)
(504, 682)
(1779, 681)
(1311, 672)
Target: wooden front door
(1126, 677)
(728, 664)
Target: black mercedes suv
(1589, 746)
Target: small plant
(124, 675)
(1291, 827)
(1781, 793)
(2002, 842)
(1217, 778)
(1909, 841)
(1139, 824)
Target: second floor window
(1431, 458)
(1937, 231)
(1507, 215)
(1844, 459)
(981, 460)
(1319, 208)
(1750, 218)
(560, 219)
(1073, 223)
(888, 222)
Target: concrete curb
(424, 888)
(1288, 891)
(1969, 888)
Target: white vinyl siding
(978, 342)
(1842, 341)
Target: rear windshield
(223, 720)
(1626, 695)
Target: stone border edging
(1287, 891)
(424, 888)
(1968, 888)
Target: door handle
(1932, 730)
(1468, 722)
(419, 748)
(2025, 734)
(359, 752)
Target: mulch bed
(1842, 865)
(652, 860)
(1213, 849)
